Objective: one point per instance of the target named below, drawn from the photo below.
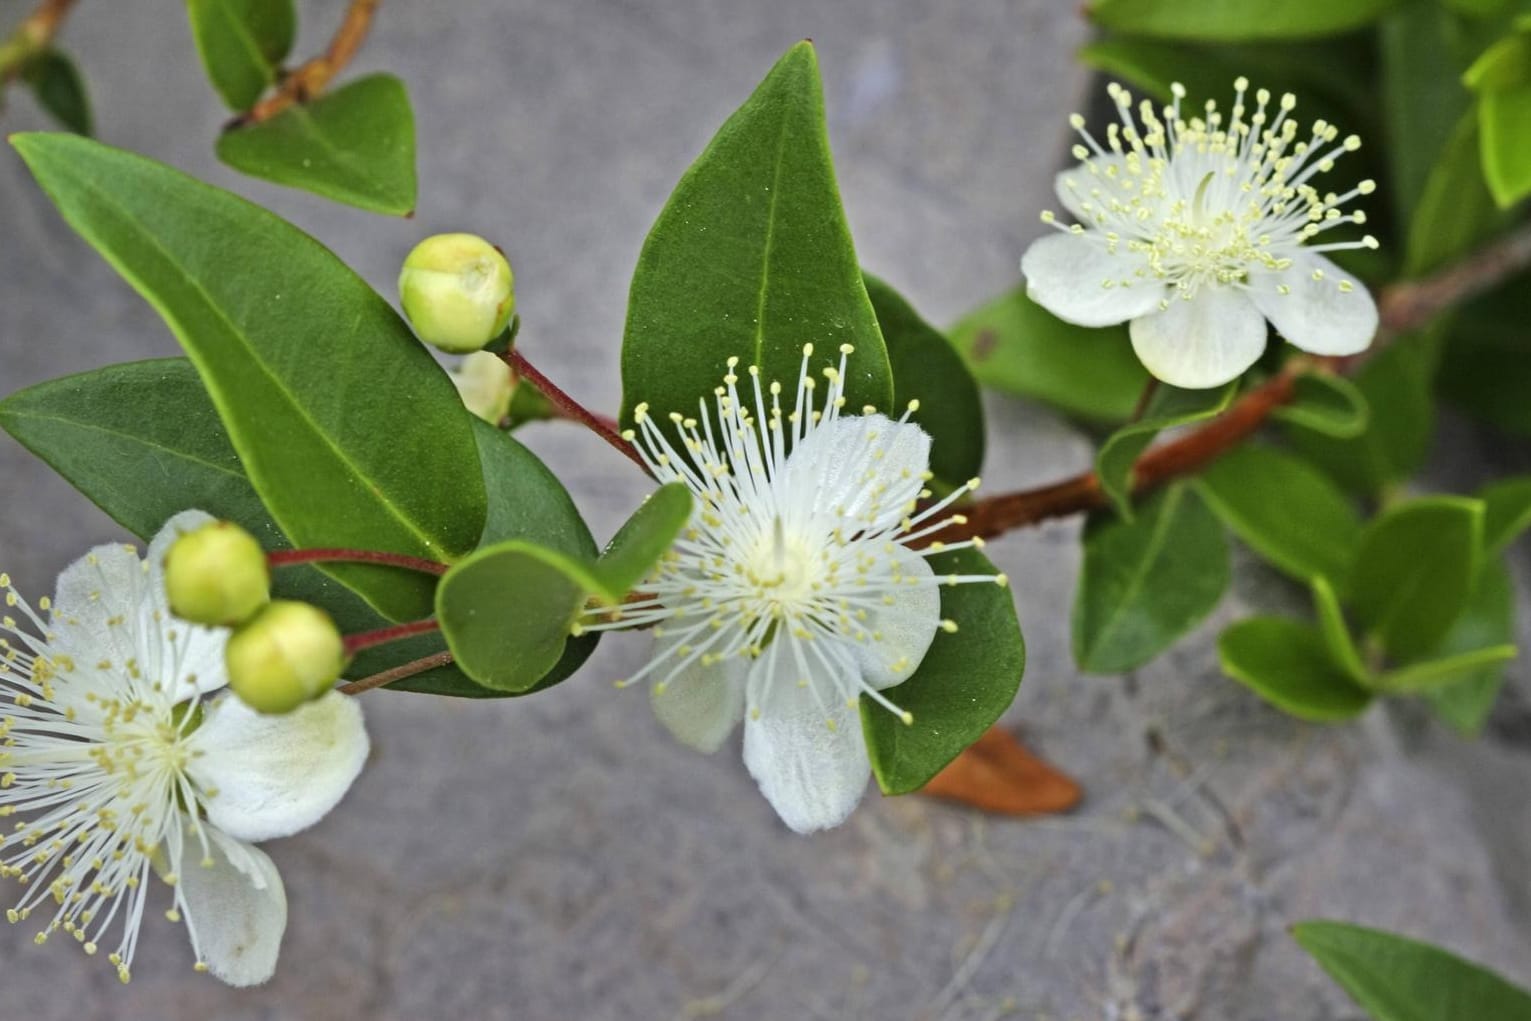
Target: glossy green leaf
(1504, 125)
(1285, 510)
(1335, 632)
(242, 44)
(1235, 20)
(1414, 571)
(1399, 431)
(1503, 65)
(1016, 346)
(1506, 512)
(1398, 979)
(307, 366)
(56, 82)
(926, 369)
(355, 145)
(961, 687)
(1287, 663)
(1327, 404)
(751, 258)
(1488, 620)
(1455, 211)
(1168, 408)
(1486, 368)
(642, 540)
(1148, 581)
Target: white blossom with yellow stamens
(121, 759)
(796, 587)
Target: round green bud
(458, 292)
(216, 575)
(287, 655)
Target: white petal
(1067, 275)
(809, 759)
(1315, 314)
(272, 776)
(867, 468)
(170, 531)
(898, 636)
(235, 908)
(1093, 181)
(700, 705)
(96, 606)
(1203, 342)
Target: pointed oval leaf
(355, 145)
(307, 365)
(1414, 571)
(1235, 22)
(1148, 581)
(1286, 511)
(1287, 663)
(1016, 346)
(1504, 142)
(1487, 620)
(1327, 404)
(926, 369)
(642, 540)
(751, 258)
(1336, 633)
(1398, 979)
(964, 683)
(242, 44)
(1506, 513)
(1168, 408)
(56, 82)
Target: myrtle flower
(796, 587)
(122, 760)
(1196, 231)
(484, 382)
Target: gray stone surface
(560, 858)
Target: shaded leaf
(1327, 404)
(1168, 408)
(355, 145)
(1455, 210)
(1232, 20)
(1487, 620)
(1504, 126)
(1506, 513)
(1336, 633)
(926, 369)
(997, 774)
(242, 44)
(1433, 674)
(1148, 581)
(56, 82)
(751, 258)
(1486, 368)
(1287, 663)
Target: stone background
(561, 858)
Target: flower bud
(216, 575)
(458, 291)
(485, 383)
(290, 653)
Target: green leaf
(1287, 663)
(1506, 512)
(1148, 581)
(1415, 570)
(1168, 408)
(642, 540)
(1504, 124)
(961, 687)
(926, 369)
(1503, 65)
(1015, 345)
(1286, 511)
(1398, 979)
(1432, 674)
(1421, 98)
(56, 82)
(1235, 20)
(1486, 368)
(1327, 404)
(1455, 210)
(1488, 620)
(355, 145)
(1336, 633)
(751, 258)
(242, 44)
(1396, 387)
(349, 430)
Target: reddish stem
(287, 557)
(602, 426)
(384, 635)
(398, 673)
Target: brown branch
(287, 557)
(1403, 307)
(394, 633)
(398, 673)
(33, 36)
(311, 79)
(570, 408)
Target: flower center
(781, 572)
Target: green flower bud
(216, 575)
(458, 291)
(289, 654)
(485, 383)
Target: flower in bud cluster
(289, 654)
(217, 575)
(458, 292)
(486, 386)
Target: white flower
(119, 760)
(794, 589)
(1196, 231)
(485, 384)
